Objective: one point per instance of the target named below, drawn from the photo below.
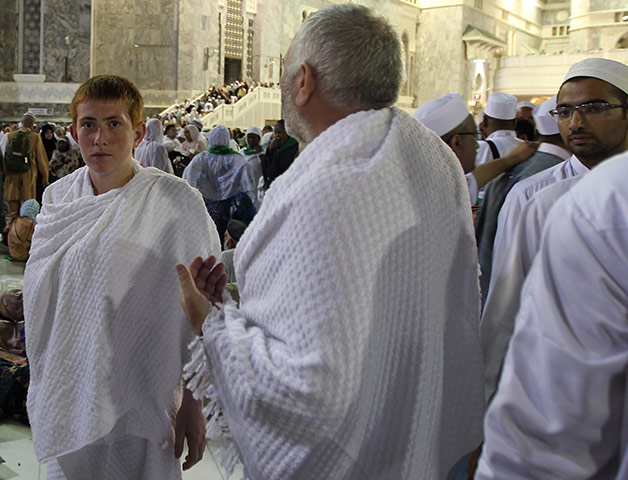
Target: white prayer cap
(525, 105)
(615, 73)
(443, 114)
(501, 106)
(545, 123)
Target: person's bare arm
(486, 172)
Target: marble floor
(16, 444)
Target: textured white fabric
(123, 458)
(105, 334)
(151, 151)
(507, 277)
(560, 411)
(355, 352)
(520, 194)
(504, 140)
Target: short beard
(296, 126)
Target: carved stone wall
(8, 41)
(67, 25)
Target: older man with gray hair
(354, 352)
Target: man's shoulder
(528, 186)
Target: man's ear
(140, 131)
(73, 132)
(304, 85)
(455, 143)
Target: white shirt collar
(502, 133)
(578, 167)
(554, 150)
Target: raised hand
(201, 286)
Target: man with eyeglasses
(450, 119)
(527, 436)
(592, 120)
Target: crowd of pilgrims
(232, 169)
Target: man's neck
(591, 161)
(102, 183)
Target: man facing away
(359, 362)
(21, 186)
(449, 118)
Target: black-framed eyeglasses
(477, 135)
(593, 109)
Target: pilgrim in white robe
(354, 353)
(106, 337)
(560, 408)
(151, 151)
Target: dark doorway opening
(233, 67)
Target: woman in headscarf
(151, 151)
(194, 144)
(65, 159)
(224, 179)
(48, 137)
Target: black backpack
(17, 157)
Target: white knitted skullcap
(443, 114)
(615, 73)
(501, 106)
(545, 123)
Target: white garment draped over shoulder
(105, 334)
(560, 408)
(355, 352)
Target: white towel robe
(355, 352)
(560, 408)
(106, 337)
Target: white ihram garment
(560, 411)
(106, 336)
(355, 352)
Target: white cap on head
(525, 105)
(615, 73)
(545, 123)
(443, 114)
(254, 130)
(501, 106)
